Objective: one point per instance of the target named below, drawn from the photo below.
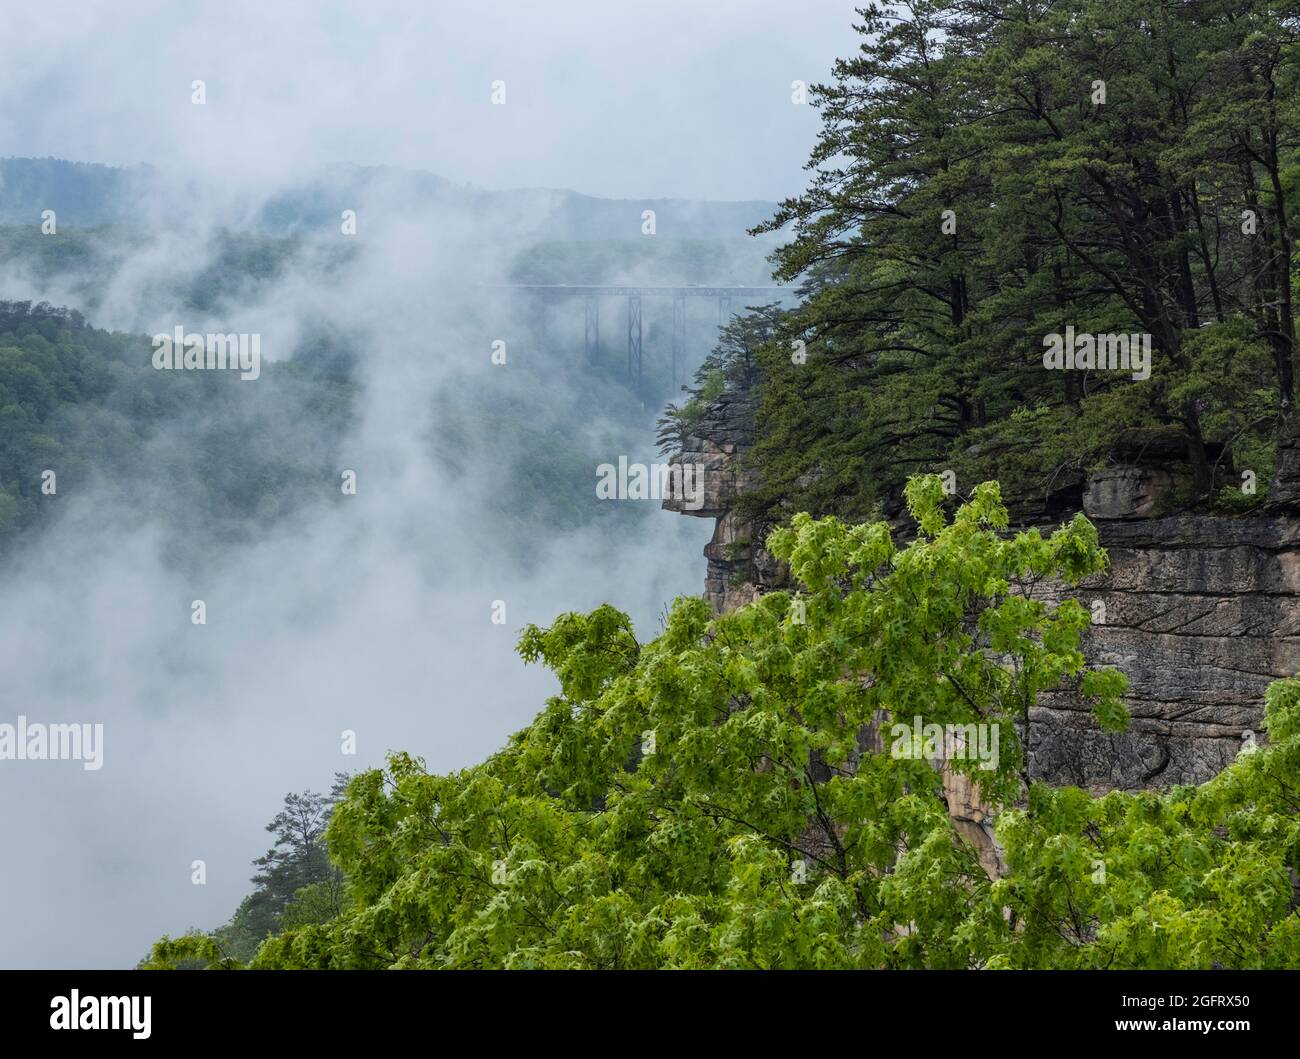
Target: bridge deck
(612, 291)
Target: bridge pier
(592, 293)
(591, 331)
(634, 335)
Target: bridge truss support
(591, 332)
(634, 337)
(592, 293)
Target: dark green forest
(988, 175)
(87, 402)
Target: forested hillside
(87, 195)
(87, 405)
(107, 237)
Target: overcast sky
(616, 98)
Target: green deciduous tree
(733, 793)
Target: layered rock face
(1200, 612)
(739, 570)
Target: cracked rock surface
(1200, 612)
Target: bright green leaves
(823, 553)
(746, 791)
(1190, 878)
(585, 651)
(925, 497)
(1104, 688)
(187, 951)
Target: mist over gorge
(325, 612)
(359, 362)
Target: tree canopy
(736, 793)
(988, 175)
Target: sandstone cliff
(1200, 612)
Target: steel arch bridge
(591, 295)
